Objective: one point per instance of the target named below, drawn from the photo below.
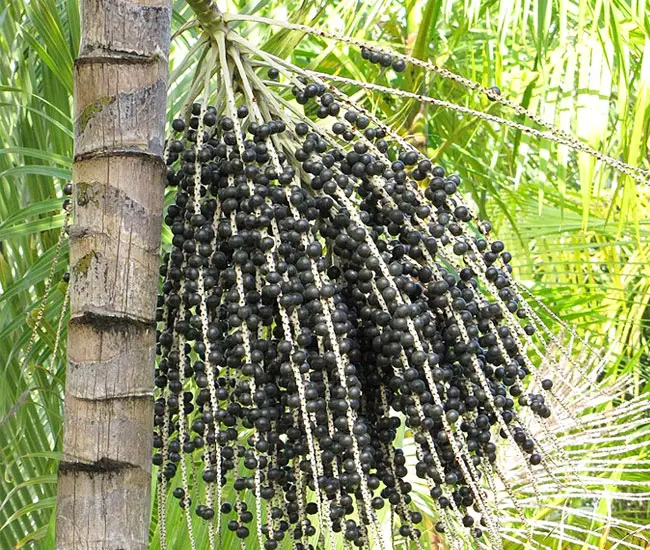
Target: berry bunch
(325, 285)
(383, 59)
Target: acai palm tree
(324, 275)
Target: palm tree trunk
(120, 96)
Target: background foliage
(579, 233)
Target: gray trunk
(120, 94)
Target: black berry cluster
(383, 59)
(322, 288)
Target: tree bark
(120, 97)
